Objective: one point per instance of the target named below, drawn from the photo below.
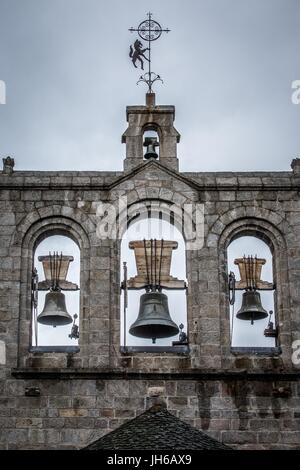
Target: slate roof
(156, 428)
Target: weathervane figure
(138, 53)
(148, 30)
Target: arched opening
(253, 294)
(151, 142)
(167, 246)
(55, 290)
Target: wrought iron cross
(148, 30)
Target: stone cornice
(105, 181)
(120, 374)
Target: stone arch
(160, 209)
(152, 126)
(241, 213)
(157, 206)
(142, 192)
(143, 195)
(36, 232)
(270, 230)
(44, 214)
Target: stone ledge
(118, 374)
(180, 349)
(256, 351)
(54, 349)
(88, 181)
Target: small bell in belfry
(55, 311)
(250, 272)
(150, 143)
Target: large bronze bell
(55, 310)
(251, 308)
(154, 319)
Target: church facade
(66, 398)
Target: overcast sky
(227, 66)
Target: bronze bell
(55, 310)
(150, 143)
(154, 319)
(251, 308)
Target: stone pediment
(154, 171)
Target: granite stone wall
(249, 400)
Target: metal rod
(247, 272)
(147, 268)
(55, 268)
(149, 46)
(34, 300)
(59, 268)
(125, 300)
(151, 265)
(51, 273)
(155, 262)
(232, 323)
(160, 261)
(35, 309)
(35, 325)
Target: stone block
(32, 195)
(72, 412)
(84, 402)
(60, 402)
(83, 387)
(29, 423)
(128, 403)
(107, 412)
(124, 413)
(56, 423)
(290, 437)
(101, 423)
(7, 422)
(117, 388)
(239, 437)
(227, 196)
(75, 422)
(185, 388)
(177, 402)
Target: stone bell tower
(155, 118)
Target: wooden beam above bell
(250, 272)
(56, 268)
(153, 261)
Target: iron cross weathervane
(148, 30)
